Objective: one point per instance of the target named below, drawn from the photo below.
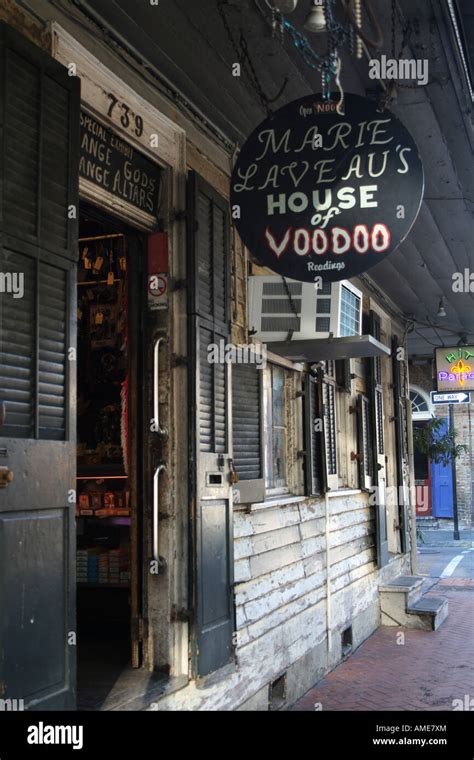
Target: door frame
(169, 642)
(136, 283)
(436, 471)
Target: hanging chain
(338, 35)
(265, 101)
(406, 32)
(394, 21)
(243, 57)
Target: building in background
(438, 478)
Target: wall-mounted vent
(277, 693)
(346, 642)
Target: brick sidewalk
(427, 672)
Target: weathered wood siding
(281, 591)
(280, 561)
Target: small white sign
(459, 397)
(158, 291)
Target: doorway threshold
(109, 682)
(133, 690)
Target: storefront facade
(444, 484)
(256, 546)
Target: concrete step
(403, 603)
(429, 611)
(403, 584)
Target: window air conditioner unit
(336, 308)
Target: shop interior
(106, 506)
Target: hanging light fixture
(316, 20)
(441, 308)
(284, 6)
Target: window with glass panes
(350, 313)
(275, 432)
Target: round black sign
(316, 194)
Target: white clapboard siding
(311, 511)
(285, 642)
(280, 571)
(348, 565)
(272, 560)
(312, 528)
(265, 542)
(265, 520)
(352, 548)
(288, 611)
(351, 576)
(313, 545)
(264, 584)
(263, 606)
(341, 537)
(349, 601)
(242, 571)
(349, 518)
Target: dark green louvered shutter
(38, 241)
(378, 442)
(401, 442)
(209, 321)
(315, 449)
(364, 440)
(39, 150)
(247, 432)
(343, 374)
(209, 303)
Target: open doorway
(422, 477)
(109, 492)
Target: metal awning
(323, 349)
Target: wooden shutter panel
(209, 305)
(366, 460)
(376, 386)
(18, 348)
(209, 264)
(22, 140)
(401, 439)
(209, 323)
(329, 417)
(40, 156)
(246, 422)
(52, 352)
(38, 175)
(377, 441)
(247, 433)
(343, 374)
(39, 151)
(315, 451)
(212, 399)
